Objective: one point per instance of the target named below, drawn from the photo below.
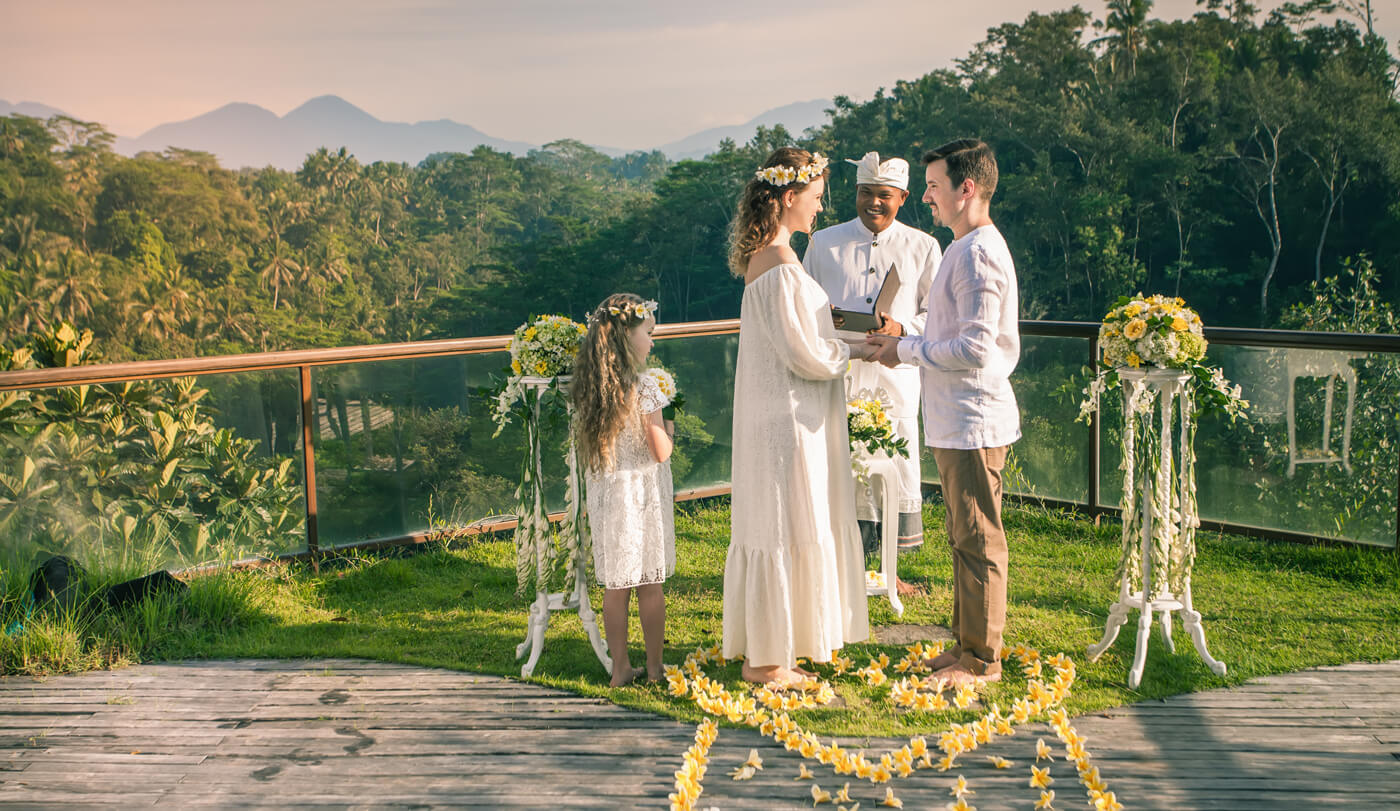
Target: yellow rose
(1179, 324)
(1133, 360)
(515, 366)
(1134, 329)
(1132, 310)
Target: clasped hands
(881, 345)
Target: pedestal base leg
(534, 635)
(1140, 656)
(590, 626)
(1167, 631)
(1191, 620)
(889, 544)
(1117, 616)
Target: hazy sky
(623, 73)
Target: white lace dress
(630, 508)
(794, 577)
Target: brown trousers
(971, 481)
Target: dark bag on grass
(59, 581)
(134, 591)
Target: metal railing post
(308, 464)
(1093, 493)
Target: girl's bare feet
(622, 678)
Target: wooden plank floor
(359, 734)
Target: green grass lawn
(1267, 607)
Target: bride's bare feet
(773, 674)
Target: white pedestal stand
(883, 482)
(1169, 384)
(546, 602)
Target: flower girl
(625, 446)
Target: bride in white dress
(794, 577)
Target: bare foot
(957, 675)
(657, 676)
(774, 675)
(947, 658)
(803, 672)
(622, 678)
(904, 589)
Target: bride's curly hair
(756, 219)
(604, 387)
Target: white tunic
(851, 262)
(794, 576)
(970, 346)
(631, 508)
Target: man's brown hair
(968, 158)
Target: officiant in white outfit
(850, 261)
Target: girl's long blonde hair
(756, 218)
(604, 388)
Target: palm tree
(69, 286)
(281, 269)
(1126, 20)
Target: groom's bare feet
(946, 659)
(957, 676)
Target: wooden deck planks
(345, 733)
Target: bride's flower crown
(632, 309)
(783, 175)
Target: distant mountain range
(249, 135)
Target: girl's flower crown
(638, 309)
(783, 175)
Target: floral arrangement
(868, 420)
(542, 352)
(544, 348)
(870, 430)
(783, 175)
(1048, 684)
(1157, 331)
(667, 383)
(547, 347)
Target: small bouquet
(870, 429)
(1165, 333)
(667, 383)
(547, 347)
(543, 348)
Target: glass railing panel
(704, 370)
(1051, 460)
(403, 445)
(1317, 454)
(153, 474)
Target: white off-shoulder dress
(631, 508)
(794, 577)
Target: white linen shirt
(851, 262)
(970, 346)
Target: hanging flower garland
(1158, 333)
(542, 354)
(767, 711)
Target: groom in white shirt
(969, 347)
(850, 261)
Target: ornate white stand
(546, 602)
(882, 481)
(1170, 386)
